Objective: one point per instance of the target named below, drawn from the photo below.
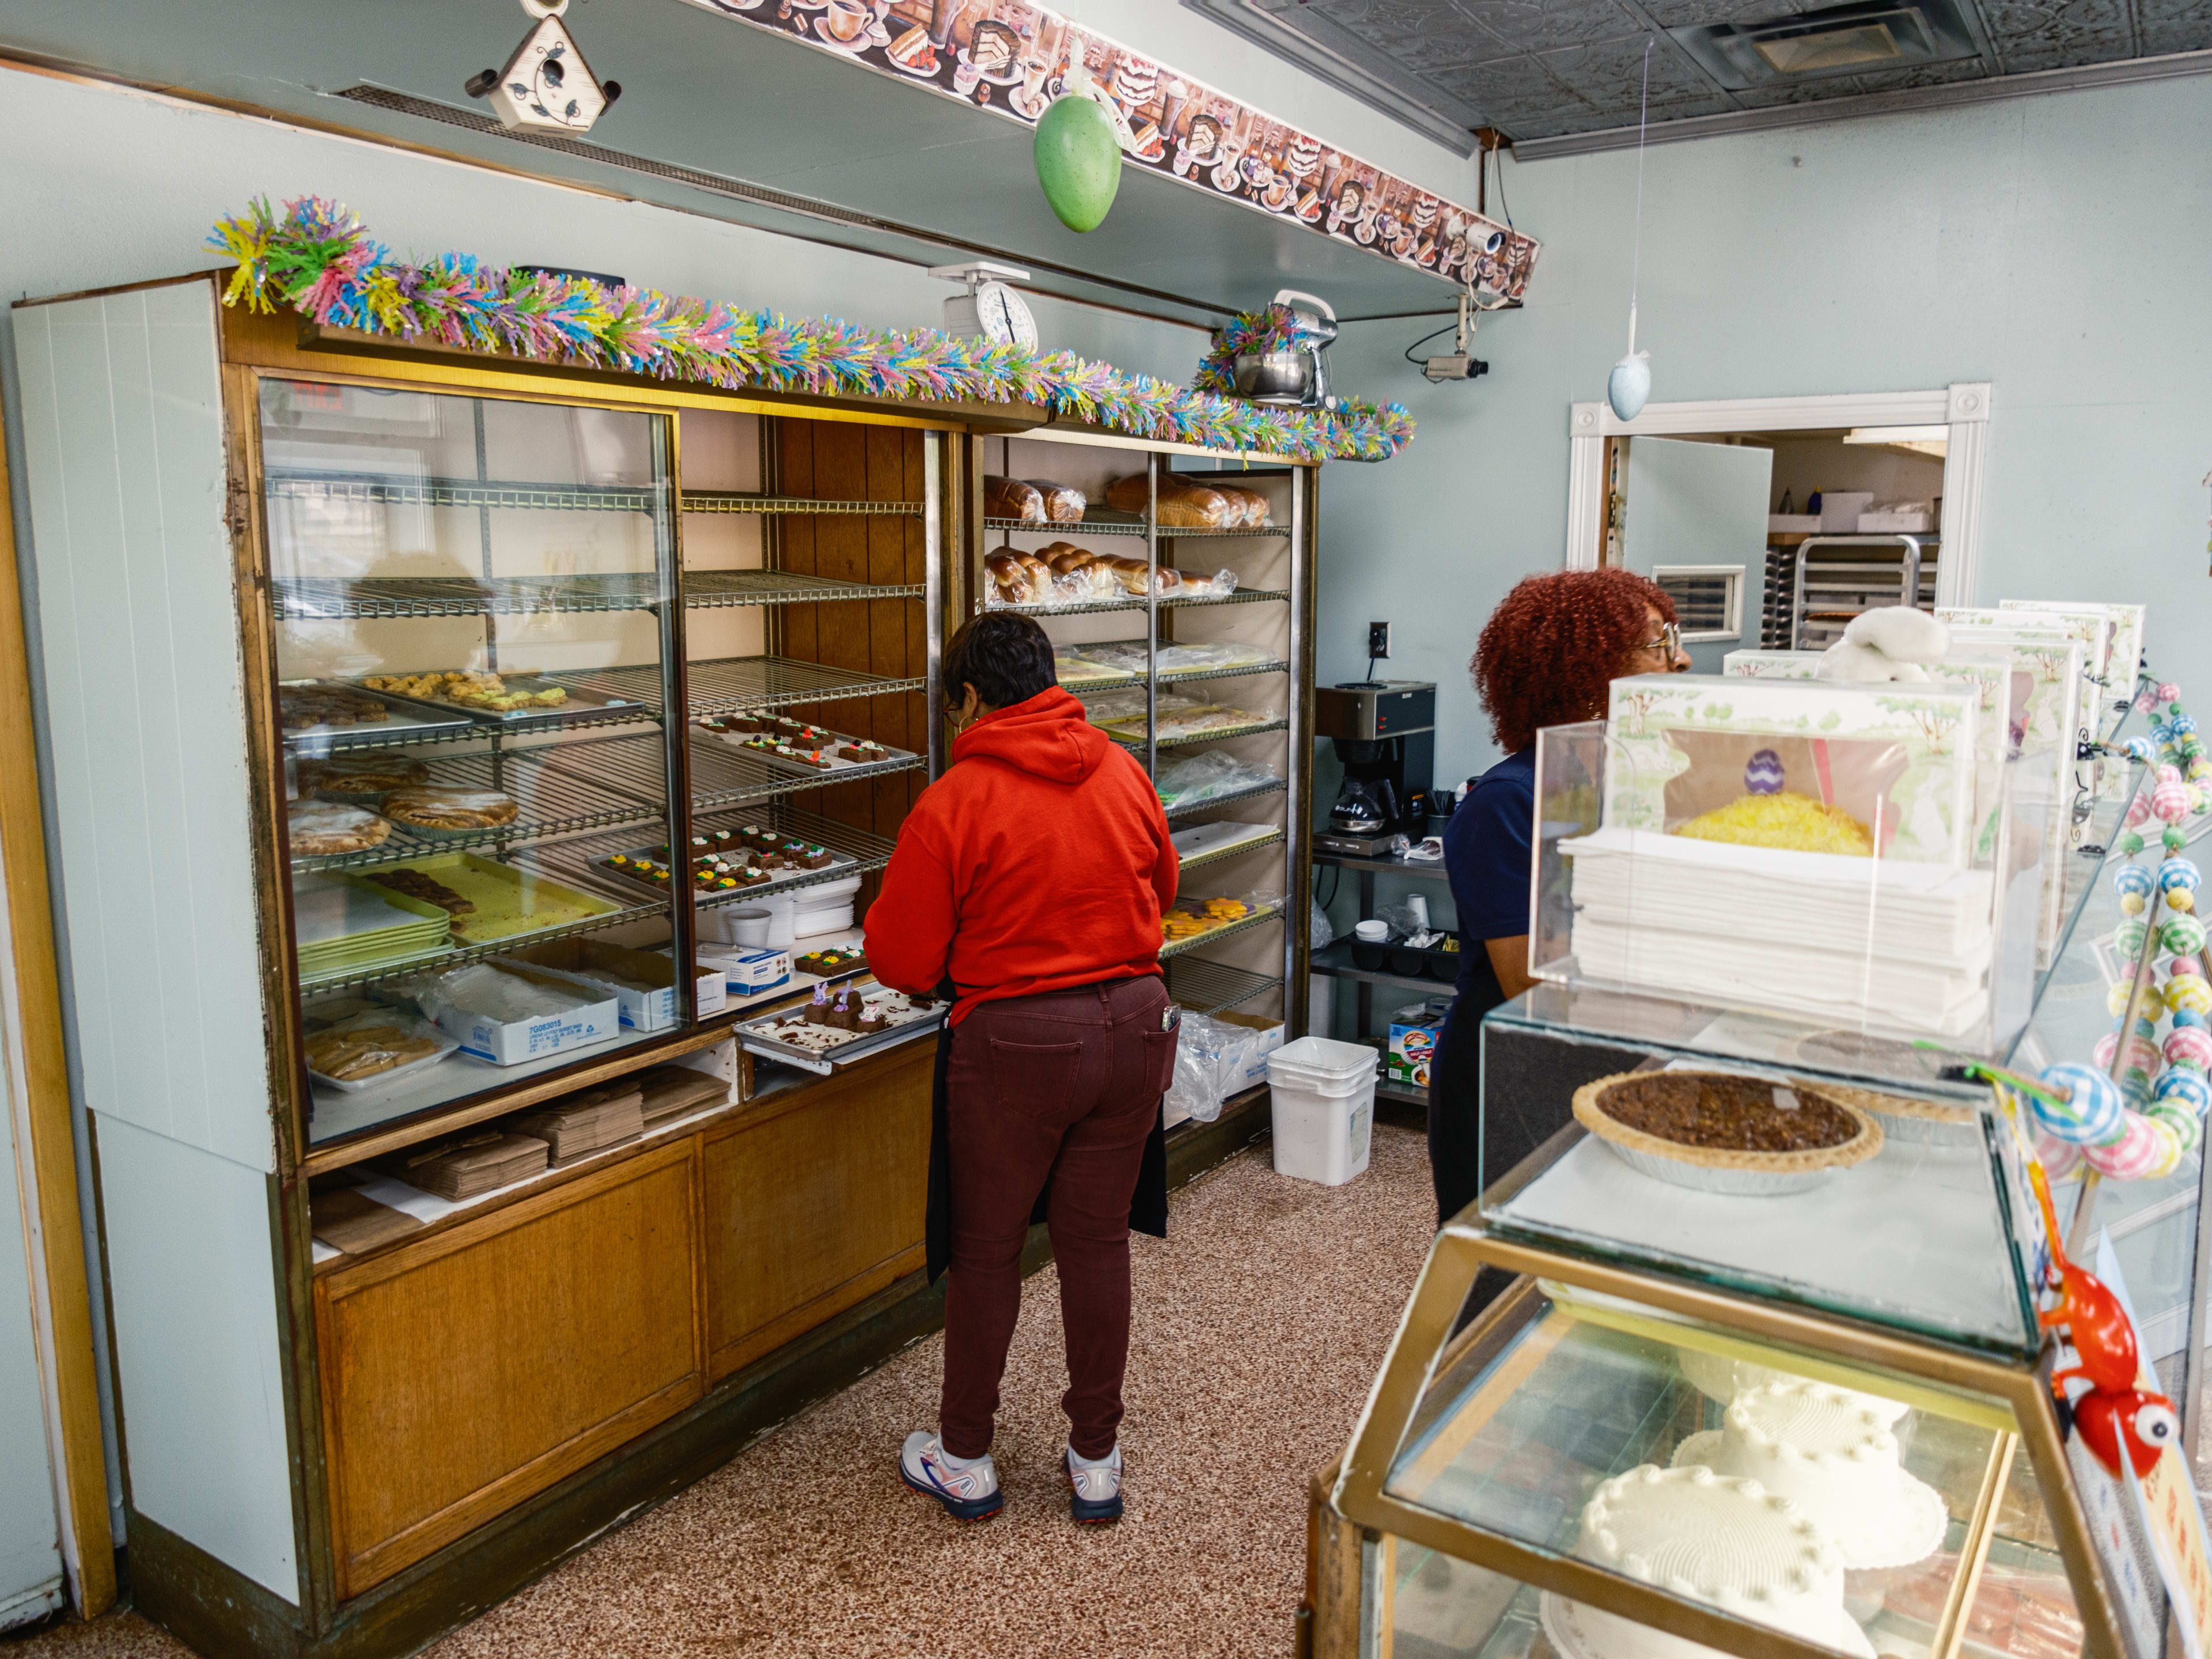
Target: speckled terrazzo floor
(1260, 1325)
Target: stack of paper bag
(576, 1125)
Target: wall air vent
(1870, 34)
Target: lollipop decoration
(2139, 1110)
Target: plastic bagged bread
(1011, 498)
(1183, 506)
(1250, 506)
(1063, 503)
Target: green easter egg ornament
(1078, 160)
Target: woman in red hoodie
(1032, 876)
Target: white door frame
(1963, 406)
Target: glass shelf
(717, 589)
(726, 684)
(1175, 947)
(401, 489)
(733, 500)
(1212, 987)
(559, 790)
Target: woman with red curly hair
(1546, 657)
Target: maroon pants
(1053, 1094)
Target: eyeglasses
(1669, 639)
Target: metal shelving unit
(1175, 947)
(1183, 810)
(706, 589)
(1212, 987)
(868, 851)
(738, 501)
(407, 489)
(725, 685)
(562, 789)
(1092, 607)
(723, 774)
(1251, 728)
(1275, 839)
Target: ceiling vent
(1869, 36)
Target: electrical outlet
(1378, 639)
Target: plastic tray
(755, 1034)
(833, 766)
(447, 1048)
(511, 904)
(409, 719)
(837, 861)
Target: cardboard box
(591, 961)
(1792, 524)
(1245, 1065)
(1415, 1033)
(1840, 510)
(752, 973)
(511, 1043)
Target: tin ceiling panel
(1545, 69)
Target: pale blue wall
(2059, 247)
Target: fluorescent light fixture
(1834, 49)
(1920, 439)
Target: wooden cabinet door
(462, 1376)
(814, 1203)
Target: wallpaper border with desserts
(1011, 58)
(318, 257)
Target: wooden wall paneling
(841, 473)
(814, 1204)
(793, 454)
(462, 1376)
(894, 463)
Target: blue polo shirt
(1487, 855)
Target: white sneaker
(967, 1494)
(1095, 1488)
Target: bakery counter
(1574, 1449)
(716, 1238)
(1645, 1152)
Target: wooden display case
(329, 1452)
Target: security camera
(1459, 364)
(1456, 367)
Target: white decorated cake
(1720, 1378)
(1710, 1538)
(1829, 1452)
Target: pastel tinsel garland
(318, 257)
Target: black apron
(1148, 1206)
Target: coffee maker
(1385, 734)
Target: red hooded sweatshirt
(1040, 861)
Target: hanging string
(1635, 260)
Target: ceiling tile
(2196, 14)
(1921, 75)
(1585, 119)
(1608, 75)
(2031, 34)
(2158, 39)
(1685, 14)
(1777, 94)
(1537, 25)
(1519, 82)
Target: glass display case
(1627, 1325)
(480, 610)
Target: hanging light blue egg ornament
(2139, 748)
(1763, 774)
(2190, 1017)
(2183, 935)
(2133, 883)
(2185, 1127)
(1078, 160)
(2160, 733)
(2181, 724)
(2093, 1115)
(2185, 1088)
(2178, 876)
(1628, 388)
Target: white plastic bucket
(1322, 1095)
(1322, 1138)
